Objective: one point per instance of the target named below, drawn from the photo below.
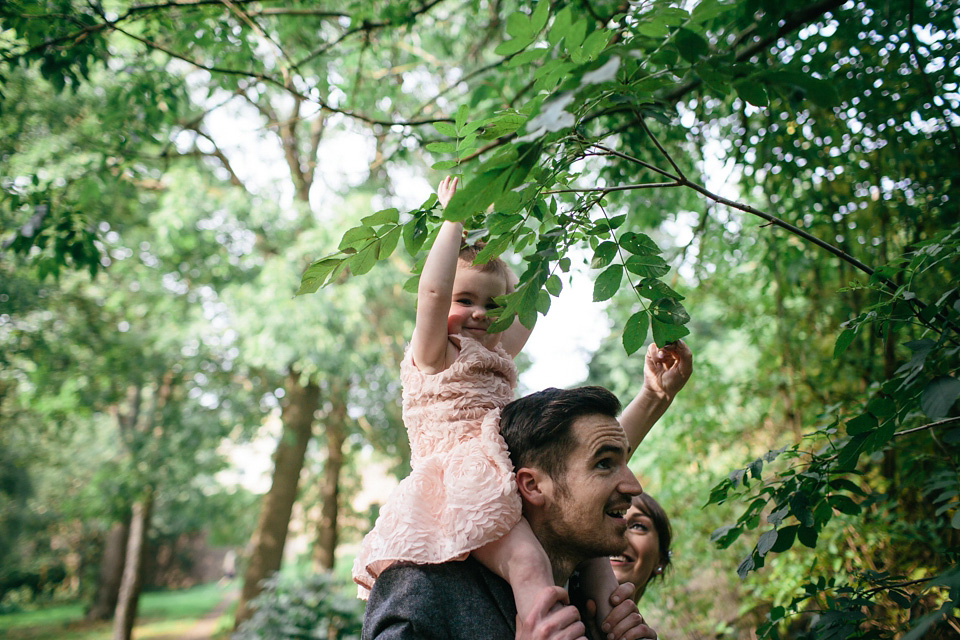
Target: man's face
(584, 512)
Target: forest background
(775, 182)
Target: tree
(586, 125)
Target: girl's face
(642, 556)
(473, 294)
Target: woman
(648, 545)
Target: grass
(162, 613)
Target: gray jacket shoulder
(449, 600)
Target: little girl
(461, 497)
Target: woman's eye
(638, 526)
(606, 463)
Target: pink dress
(461, 493)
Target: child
(461, 496)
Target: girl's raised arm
(430, 346)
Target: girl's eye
(492, 306)
(464, 301)
(638, 526)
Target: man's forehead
(597, 430)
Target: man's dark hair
(537, 427)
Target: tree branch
(932, 425)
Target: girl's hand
(446, 189)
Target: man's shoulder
(451, 599)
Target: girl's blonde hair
(469, 252)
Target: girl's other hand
(446, 189)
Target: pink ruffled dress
(461, 493)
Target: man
(570, 454)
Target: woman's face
(642, 556)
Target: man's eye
(606, 463)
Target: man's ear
(531, 483)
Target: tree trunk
(300, 404)
(336, 428)
(129, 596)
(111, 572)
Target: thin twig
(622, 187)
(932, 425)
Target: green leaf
(664, 334)
(355, 236)
(635, 332)
(603, 254)
(843, 341)
(766, 542)
(554, 285)
(510, 47)
(938, 396)
(504, 123)
(843, 504)
(753, 92)
(808, 537)
(560, 26)
(461, 116)
(785, 538)
(647, 266)
(607, 283)
(493, 249)
(446, 129)
(316, 275)
(389, 242)
(499, 223)
(669, 311)
(443, 165)
(593, 45)
(538, 20)
(654, 289)
(882, 406)
(863, 423)
(412, 283)
(746, 567)
(691, 45)
(384, 216)
(441, 147)
(363, 261)
(518, 25)
(955, 520)
(415, 234)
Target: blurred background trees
(777, 182)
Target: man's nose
(629, 485)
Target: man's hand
(552, 618)
(666, 370)
(446, 189)
(624, 621)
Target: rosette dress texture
(461, 493)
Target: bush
(315, 606)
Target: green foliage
(312, 606)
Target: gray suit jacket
(450, 600)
